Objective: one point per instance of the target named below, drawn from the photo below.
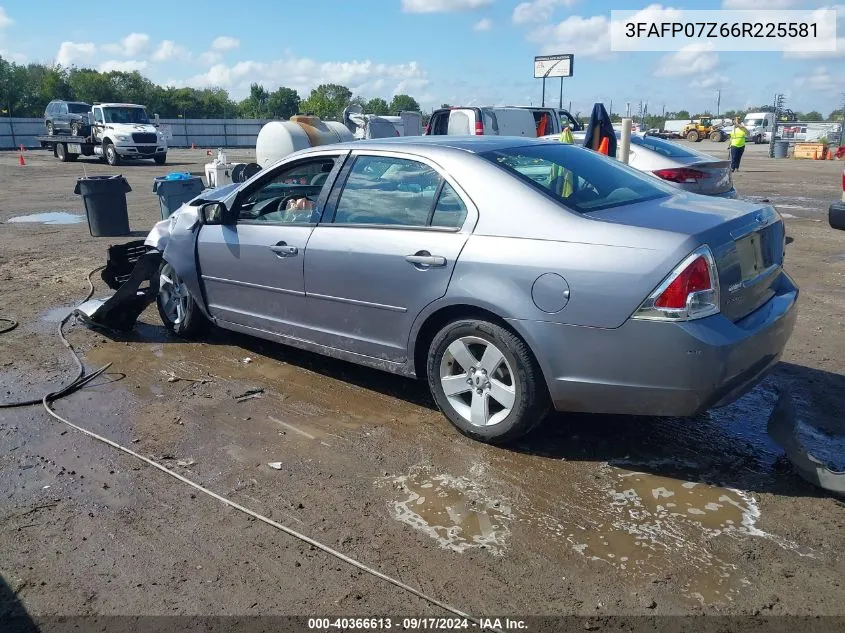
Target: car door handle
(283, 250)
(425, 259)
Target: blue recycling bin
(176, 189)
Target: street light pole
(718, 101)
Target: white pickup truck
(119, 131)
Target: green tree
(377, 105)
(813, 115)
(682, 114)
(445, 106)
(404, 102)
(835, 115)
(283, 103)
(327, 101)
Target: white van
(480, 121)
(760, 126)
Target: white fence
(209, 133)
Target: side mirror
(836, 215)
(90, 117)
(155, 118)
(213, 213)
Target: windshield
(581, 179)
(78, 108)
(125, 115)
(753, 122)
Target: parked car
(471, 263)
(681, 166)
(67, 116)
(481, 121)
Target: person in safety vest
(738, 135)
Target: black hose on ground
(80, 379)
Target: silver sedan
(513, 275)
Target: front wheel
(486, 381)
(112, 157)
(160, 159)
(75, 128)
(692, 136)
(176, 307)
(51, 130)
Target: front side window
(579, 178)
(397, 191)
(98, 116)
(290, 195)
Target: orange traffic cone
(21, 161)
(22, 148)
(604, 146)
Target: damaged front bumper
(783, 429)
(127, 268)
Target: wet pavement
(589, 514)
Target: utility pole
(718, 101)
(779, 101)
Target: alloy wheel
(173, 295)
(478, 381)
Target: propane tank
(277, 139)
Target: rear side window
(664, 148)
(397, 191)
(578, 178)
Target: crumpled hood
(186, 217)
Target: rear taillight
(427, 130)
(682, 175)
(690, 292)
(479, 128)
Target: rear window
(664, 148)
(78, 108)
(580, 179)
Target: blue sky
(457, 51)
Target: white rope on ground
(47, 401)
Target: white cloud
(169, 49)
(711, 81)
(126, 65)
(760, 4)
(820, 80)
(840, 41)
(484, 24)
(5, 20)
(225, 43)
(130, 46)
(211, 57)
(72, 52)
(537, 10)
(302, 74)
(585, 37)
(690, 60)
(18, 58)
(442, 6)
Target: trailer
(119, 131)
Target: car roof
(120, 105)
(471, 144)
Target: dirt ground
(590, 515)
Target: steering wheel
(297, 215)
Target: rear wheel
(112, 157)
(486, 381)
(61, 152)
(716, 137)
(176, 307)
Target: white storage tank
(278, 139)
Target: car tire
(178, 311)
(51, 130)
(112, 157)
(61, 152)
(507, 389)
(160, 159)
(75, 128)
(692, 136)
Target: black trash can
(105, 204)
(175, 191)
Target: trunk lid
(718, 176)
(748, 241)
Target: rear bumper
(663, 369)
(731, 193)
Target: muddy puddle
(48, 217)
(456, 512)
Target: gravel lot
(575, 520)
